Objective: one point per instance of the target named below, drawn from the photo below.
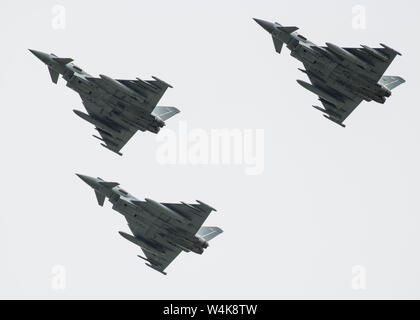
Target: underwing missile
(119, 87)
(375, 53)
(311, 74)
(324, 52)
(96, 122)
(153, 265)
(390, 49)
(145, 259)
(166, 211)
(321, 93)
(335, 121)
(206, 206)
(191, 207)
(156, 268)
(328, 105)
(151, 261)
(161, 82)
(145, 246)
(348, 56)
(105, 133)
(144, 84)
(110, 149)
(99, 138)
(332, 114)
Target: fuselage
(110, 100)
(336, 68)
(146, 217)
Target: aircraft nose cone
(268, 26)
(44, 57)
(89, 180)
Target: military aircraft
(341, 77)
(117, 108)
(161, 230)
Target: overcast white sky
(328, 199)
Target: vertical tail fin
(391, 82)
(165, 113)
(208, 233)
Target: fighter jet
(341, 77)
(117, 108)
(161, 230)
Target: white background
(329, 198)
